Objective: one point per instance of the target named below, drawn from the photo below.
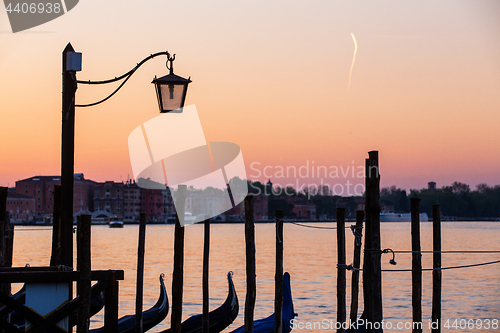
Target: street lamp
(171, 89)
(171, 93)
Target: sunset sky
(271, 76)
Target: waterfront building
(109, 198)
(20, 207)
(131, 201)
(153, 204)
(41, 188)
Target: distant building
(41, 188)
(431, 185)
(137, 200)
(386, 208)
(304, 209)
(131, 201)
(300, 208)
(20, 207)
(168, 203)
(153, 204)
(108, 198)
(260, 207)
(209, 201)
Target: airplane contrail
(353, 58)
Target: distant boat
(401, 217)
(115, 222)
(266, 325)
(150, 317)
(219, 318)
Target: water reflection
(310, 257)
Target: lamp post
(171, 93)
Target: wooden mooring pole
(436, 274)
(67, 159)
(83, 265)
(416, 266)
(341, 270)
(56, 257)
(250, 264)
(372, 274)
(111, 306)
(278, 277)
(358, 232)
(206, 263)
(3, 215)
(6, 238)
(178, 274)
(140, 273)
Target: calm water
(310, 257)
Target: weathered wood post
(178, 274)
(372, 273)
(358, 234)
(56, 257)
(416, 266)
(206, 262)
(83, 265)
(5, 288)
(140, 273)
(341, 274)
(250, 263)
(4, 234)
(111, 305)
(278, 277)
(6, 242)
(69, 86)
(436, 274)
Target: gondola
(150, 317)
(266, 325)
(219, 318)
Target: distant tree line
(456, 200)
(326, 203)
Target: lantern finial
(171, 60)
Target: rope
(455, 251)
(344, 266)
(350, 267)
(310, 226)
(376, 251)
(357, 235)
(32, 229)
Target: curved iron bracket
(125, 76)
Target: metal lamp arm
(125, 76)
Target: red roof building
(42, 189)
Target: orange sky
(271, 77)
